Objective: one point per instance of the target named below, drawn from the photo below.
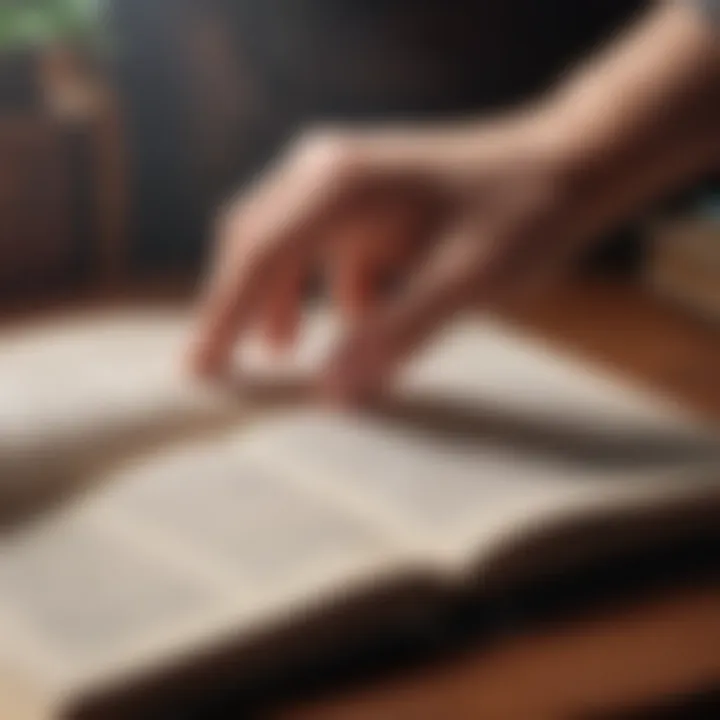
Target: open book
(156, 534)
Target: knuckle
(327, 155)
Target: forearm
(644, 117)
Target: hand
(454, 215)
(462, 215)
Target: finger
(352, 280)
(228, 298)
(275, 229)
(280, 316)
(371, 250)
(466, 270)
(525, 264)
(362, 248)
(368, 358)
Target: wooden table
(635, 654)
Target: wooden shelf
(62, 185)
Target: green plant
(33, 23)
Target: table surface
(636, 653)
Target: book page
(488, 365)
(177, 532)
(80, 394)
(72, 589)
(173, 551)
(490, 434)
(83, 392)
(494, 432)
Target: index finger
(276, 230)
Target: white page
(495, 367)
(332, 499)
(173, 550)
(512, 433)
(258, 527)
(85, 390)
(78, 589)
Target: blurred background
(123, 123)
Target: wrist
(645, 119)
